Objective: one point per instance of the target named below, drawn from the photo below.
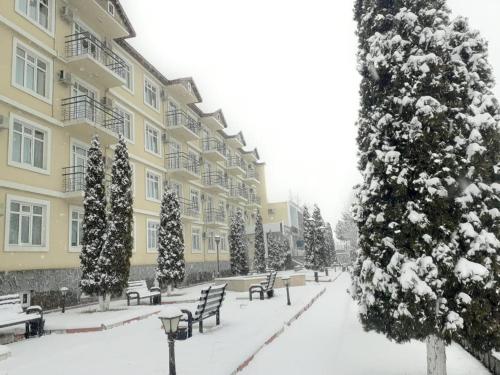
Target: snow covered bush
(238, 246)
(260, 250)
(276, 249)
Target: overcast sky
(284, 72)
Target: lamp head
(170, 319)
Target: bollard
(316, 276)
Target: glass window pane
(32, 9)
(37, 210)
(74, 233)
(37, 230)
(30, 77)
(20, 70)
(14, 228)
(16, 147)
(23, 6)
(15, 207)
(25, 229)
(40, 82)
(44, 15)
(80, 233)
(27, 150)
(38, 154)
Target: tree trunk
(436, 356)
(169, 289)
(104, 302)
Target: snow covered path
(328, 339)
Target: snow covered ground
(329, 339)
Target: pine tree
(286, 254)
(114, 261)
(321, 257)
(346, 229)
(94, 219)
(276, 251)
(330, 244)
(238, 245)
(171, 265)
(308, 240)
(413, 134)
(260, 250)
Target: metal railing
(252, 173)
(215, 179)
(235, 161)
(238, 192)
(215, 216)
(253, 199)
(213, 144)
(87, 44)
(181, 160)
(83, 107)
(189, 208)
(73, 179)
(181, 118)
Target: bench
(12, 314)
(209, 305)
(139, 290)
(266, 286)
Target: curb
(275, 335)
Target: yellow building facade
(67, 73)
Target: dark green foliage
(260, 250)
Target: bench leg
(217, 317)
(270, 293)
(128, 300)
(138, 300)
(262, 295)
(200, 325)
(27, 331)
(250, 295)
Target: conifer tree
(330, 244)
(94, 219)
(171, 265)
(276, 251)
(412, 208)
(260, 250)
(114, 261)
(308, 239)
(238, 247)
(321, 253)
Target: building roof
(125, 18)
(237, 135)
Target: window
(195, 200)
(150, 94)
(152, 235)
(177, 188)
(196, 239)
(26, 223)
(223, 242)
(211, 241)
(111, 8)
(29, 146)
(32, 73)
(76, 228)
(38, 12)
(128, 128)
(152, 139)
(152, 186)
(127, 73)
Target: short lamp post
(170, 321)
(217, 242)
(63, 291)
(286, 280)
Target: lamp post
(286, 280)
(170, 320)
(217, 242)
(63, 291)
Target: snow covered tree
(171, 266)
(238, 246)
(330, 244)
(347, 229)
(423, 153)
(260, 250)
(308, 239)
(114, 260)
(276, 251)
(94, 219)
(321, 257)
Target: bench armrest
(155, 289)
(34, 310)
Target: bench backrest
(138, 286)
(10, 303)
(271, 278)
(210, 300)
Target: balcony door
(175, 155)
(86, 41)
(83, 107)
(78, 166)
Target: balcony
(252, 176)
(182, 126)
(253, 200)
(185, 90)
(215, 120)
(215, 182)
(182, 165)
(235, 165)
(238, 194)
(213, 149)
(91, 59)
(215, 217)
(189, 210)
(236, 141)
(74, 183)
(86, 117)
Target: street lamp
(170, 320)
(217, 242)
(63, 291)
(286, 280)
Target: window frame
(152, 249)
(46, 149)
(49, 79)
(200, 239)
(131, 70)
(146, 126)
(148, 198)
(45, 233)
(71, 248)
(50, 30)
(111, 8)
(155, 85)
(122, 108)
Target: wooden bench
(12, 314)
(265, 286)
(139, 290)
(209, 305)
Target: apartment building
(68, 73)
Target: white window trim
(50, 72)
(73, 249)
(146, 124)
(132, 122)
(52, 18)
(148, 249)
(158, 99)
(132, 71)
(46, 225)
(159, 185)
(48, 148)
(200, 250)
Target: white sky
(284, 72)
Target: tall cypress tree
(413, 134)
(238, 246)
(171, 265)
(260, 250)
(276, 250)
(308, 239)
(321, 251)
(114, 261)
(330, 244)
(94, 219)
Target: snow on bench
(12, 313)
(139, 290)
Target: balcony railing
(87, 44)
(238, 192)
(213, 144)
(215, 216)
(235, 161)
(74, 179)
(251, 173)
(83, 107)
(189, 208)
(180, 118)
(215, 179)
(254, 199)
(181, 160)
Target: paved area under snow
(329, 339)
